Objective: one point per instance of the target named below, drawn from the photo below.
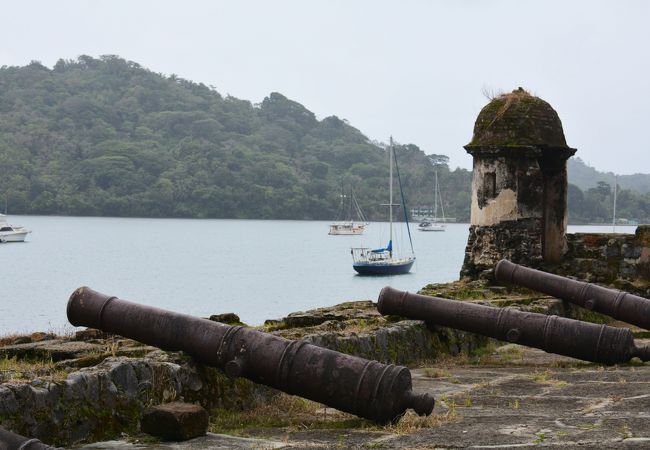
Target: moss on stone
(518, 119)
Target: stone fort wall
(619, 260)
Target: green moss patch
(518, 119)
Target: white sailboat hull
(11, 233)
(13, 236)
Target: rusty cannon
(582, 340)
(614, 303)
(369, 389)
(13, 441)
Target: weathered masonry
(519, 185)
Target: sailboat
(348, 225)
(432, 224)
(384, 261)
(614, 206)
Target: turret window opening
(490, 185)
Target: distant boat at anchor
(349, 226)
(432, 224)
(11, 233)
(384, 261)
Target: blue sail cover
(389, 248)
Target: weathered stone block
(631, 251)
(515, 240)
(124, 377)
(8, 403)
(643, 264)
(362, 310)
(56, 350)
(89, 334)
(612, 248)
(642, 235)
(175, 421)
(229, 318)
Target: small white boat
(349, 226)
(432, 224)
(11, 233)
(337, 228)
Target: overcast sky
(413, 69)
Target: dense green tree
(596, 205)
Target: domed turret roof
(518, 119)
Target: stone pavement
(513, 397)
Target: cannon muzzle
(582, 340)
(369, 389)
(13, 441)
(611, 302)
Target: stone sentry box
(519, 185)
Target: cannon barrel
(369, 389)
(582, 340)
(611, 302)
(13, 441)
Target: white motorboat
(11, 233)
(431, 225)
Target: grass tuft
(17, 370)
(295, 413)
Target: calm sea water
(256, 269)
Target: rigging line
(442, 207)
(362, 217)
(435, 200)
(406, 218)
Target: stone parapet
(619, 260)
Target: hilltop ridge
(105, 136)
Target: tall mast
(614, 209)
(390, 190)
(435, 200)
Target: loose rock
(175, 421)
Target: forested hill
(108, 137)
(587, 177)
(104, 136)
